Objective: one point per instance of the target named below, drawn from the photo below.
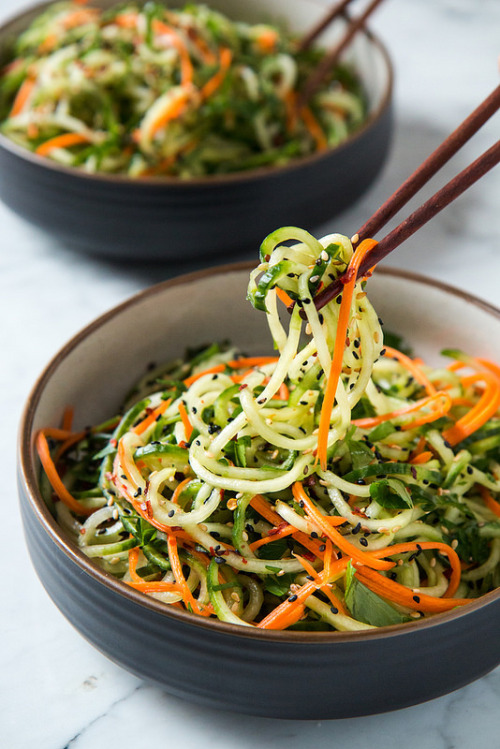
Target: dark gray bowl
(166, 218)
(275, 674)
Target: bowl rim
(29, 474)
(249, 175)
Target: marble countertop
(56, 691)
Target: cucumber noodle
(206, 491)
(147, 91)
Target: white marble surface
(55, 690)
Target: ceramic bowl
(167, 218)
(277, 674)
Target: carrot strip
(315, 129)
(421, 458)
(188, 429)
(283, 296)
(22, 97)
(175, 107)
(267, 40)
(211, 86)
(330, 532)
(133, 558)
(338, 352)
(452, 555)
(412, 367)
(188, 598)
(490, 503)
(398, 593)
(435, 413)
(151, 418)
(127, 20)
(80, 17)
(286, 530)
(289, 612)
(62, 141)
(55, 481)
(178, 490)
(154, 587)
(245, 361)
(485, 408)
(186, 66)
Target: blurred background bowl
(165, 218)
(287, 674)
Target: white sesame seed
(115, 515)
(355, 238)
(313, 279)
(324, 256)
(454, 543)
(110, 502)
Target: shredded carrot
(23, 96)
(126, 20)
(267, 40)
(485, 408)
(280, 532)
(416, 546)
(56, 483)
(80, 17)
(225, 57)
(151, 418)
(439, 403)
(330, 532)
(62, 141)
(289, 612)
(338, 352)
(175, 562)
(133, 558)
(244, 362)
(188, 429)
(488, 500)
(263, 507)
(186, 66)
(421, 458)
(412, 367)
(283, 393)
(398, 593)
(314, 128)
(178, 490)
(283, 296)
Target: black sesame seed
(469, 470)
(219, 560)
(322, 547)
(314, 534)
(334, 610)
(356, 529)
(292, 598)
(138, 492)
(171, 513)
(416, 599)
(363, 541)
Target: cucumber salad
(144, 90)
(340, 483)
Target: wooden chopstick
(328, 61)
(443, 197)
(324, 22)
